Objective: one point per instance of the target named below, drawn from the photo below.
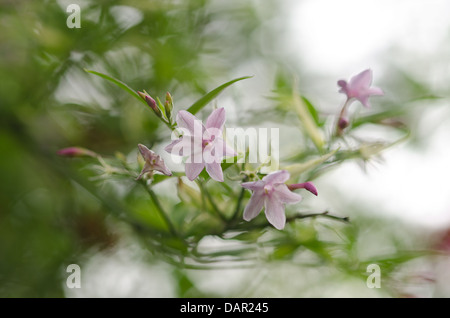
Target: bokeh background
(52, 213)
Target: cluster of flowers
(204, 148)
(271, 192)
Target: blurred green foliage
(49, 213)
(52, 214)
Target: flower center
(268, 189)
(206, 142)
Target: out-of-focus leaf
(285, 251)
(161, 107)
(391, 262)
(188, 195)
(310, 126)
(176, 244)
(186, 288)
(368, 150)
(204, 224)
(378, 117)
(157, 178)
(313, 111)
(203, 101)
(297, 169)
(250, 236)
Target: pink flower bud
(307, 186)
(151, 103)
(343, 123)
(76, 152)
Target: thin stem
(342, 116)
(254, 225)
(239, 202)
(160, 209)
(326, 214)
(168, 124)
(344, 108)
(213, 204)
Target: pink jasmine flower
(272, 193)
(359, 88)
(153, 162)
(203, 145)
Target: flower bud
(76, 152)
(343, 123)
(168, 105)
(306, 185)
(150, 102)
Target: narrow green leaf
(313, 111)
(161, 107)
(298, 168)
(310, 126)
(119, 83)
(203, 101)
(378, 117)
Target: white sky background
(338, 39)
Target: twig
(326, 214)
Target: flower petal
(180, 147)
(361, 81)
(216, 150)
(210, 154)
(216, 119)
(178, 150)
(214, 169)
(188, 121)
(364, 99)
(193, 169)
(280, 176)
(375, 91)
(146, 153)
(161, 167)
(343, 85)
(254, 205)
(275, 213)
(225, 150)
(284, 195)
(254, 186)
(147, 168)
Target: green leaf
(157, 178)
(309, 124)
(119, 83)
(313, 111)
(161, 107)
(203, 101)
(390, 262)
(379, 117)
(297, 169)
